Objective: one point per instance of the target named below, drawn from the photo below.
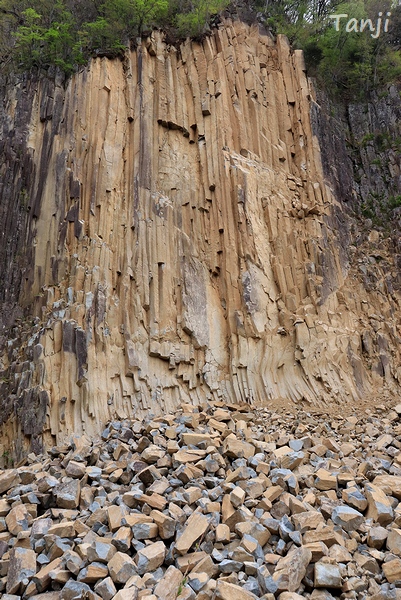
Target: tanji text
(360, 25)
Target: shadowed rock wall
(170, 237)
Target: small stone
(192, 494)
(339, 554)
(379, 506)
(327, 576)
(129, 594)
(22, 566)
(93, 572)
(355, 498)
(106, 589)
(230, 591)
(376, 537)
(195, 527)
(193, 439)
(75, 590)
(73, 562)
(222, 533)
(122, 539)
(18, 519)
(318, 549)
(392, 570)
(150, 558)
(197, 581)
(325, 480)
(121, 568)
(389, 484)
(237, 496)
(75, 469)
(9, 479)
(152, 454)
(115, 515)
(42, 578)
(101, 552)
(236, 448)
(168, 586)
(65, 529)
(291, 569)
(68, 494)
(307, 520)
(145, 531)
(346, 517)
(394, 541)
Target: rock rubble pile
(218, 502)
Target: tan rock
(42, 577)
(168, 586)
(377, 537)
(4, 507)
(192, 494)
(64, 529)
(10, 478)
(222, 533)
(237, 496)
(93, 572)
(153, 500)
(75, 469)
(339, 554)
(389, 484)
(347, 517)
(187, 562)
(327, 576)
(121, 568)
(127, 594)
(231, 591)
(394, 541)
(355, 498)
(325, 480)
(367, 563)
(273, 492)
(193, 439)
(60, 575)
(392, 570)
(122, 539)
(22, 566)
(115, 516)
(305, 521)
(326, 534)
(18, 519)
(150, 558)
(187, 456)
(165, 524)
(236, 448)
(291, 569)
(195, 527)
(152, 453)
(68, 494)
(318, 549)
(379, 506)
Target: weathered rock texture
(169, 227)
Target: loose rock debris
(218, 502)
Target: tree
(195, 16)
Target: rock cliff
(169, 235)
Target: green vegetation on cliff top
(347, 61)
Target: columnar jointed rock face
(179, 242)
